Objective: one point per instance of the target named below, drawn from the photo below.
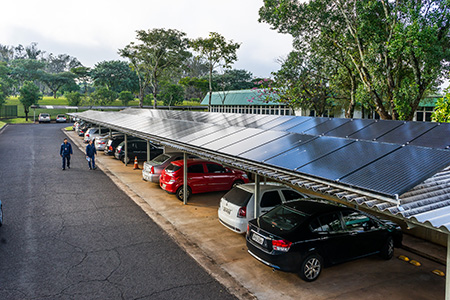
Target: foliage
(397, 49)
(442, 110)
(148, 99)
(103, 96)
(159, 51)
(126, 97)
(218, 53)
(115, 75)
(233, 80)
(194, 87)
(171, 94)
(26, 70)
(74, 98)
(55, 81)
(29, 95)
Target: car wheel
(387, 252)
(237, 182)
(180, 191)
(311, 267)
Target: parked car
(101, 141)
(61, 119)
(93, 133)
(44, 118)
(84, 126)
(237, 206)
(112, 143)
(204, 176)
(136, 148)
(305, 236)
(152, 169)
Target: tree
(171, 94)
(5, 82)
(74, 98)
(233, 80)
(442, 110)
(158, 51)
(103, 96)
(115, 75)
(56, 81)
(61, 63)
(26, 70)
(82, 74)
(398, 49)
(217, 52)
(29, 95)
(125, 97)
(194, 87)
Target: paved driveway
(74, 235)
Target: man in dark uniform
(65, 152)
(90, 155)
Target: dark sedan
(305, 236)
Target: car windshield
(238, 196)
(172, 168)
(283, 218)
(160, 159)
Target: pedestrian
(65, 152)
(90, 155)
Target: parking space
(224, 254)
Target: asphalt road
(74, 235)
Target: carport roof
(401, 168)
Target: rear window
(160, 159)
(283, 218)
(238, 197)
(44, 115)
(61, 116)
(172, 168)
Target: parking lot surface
(223, 253)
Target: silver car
(44, 117)
(101, 141)
(152, 169)
(93, 133)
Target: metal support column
(110, 133)
(126, 150)
(148, 150)
(257, 196)
(185, 175)
(447, 272)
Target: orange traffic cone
(136, 166)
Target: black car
(136, 148)
(305, 236)
(112, 143)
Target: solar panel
(252, 142)
(304, 126)
(307, 152)
(223, 132)
(201, 133)
(326, 126)
(375, 130)
(350, 127)
(275, 147)
(399, 171)
(438, 137)
(294, 121)
(407, 132)
(276, 121)
(347, 159)
(223, 140)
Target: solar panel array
(385, 157)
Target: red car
(203, 176)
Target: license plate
(257, 238)
(163, 185)
(227, 210)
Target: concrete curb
(222, 276)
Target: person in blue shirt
(65, 152)
(90, 155)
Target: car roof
(191, 161)
(315, 206)
(250, 187)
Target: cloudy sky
(94, 30)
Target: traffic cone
(136, 166)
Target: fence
(8, 111)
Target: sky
(93, 31)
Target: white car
(44, 117)
(93, 133)
(61, 119)
(101, 141)
(237, 206)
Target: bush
(125, 97)
(148, 99)
(74, 98)
(103, 96)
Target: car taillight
(281, 245)
(242, 213)
(87, 134)
(152, 170)
(248, 229)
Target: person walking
(65, 152)
(90, 155)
